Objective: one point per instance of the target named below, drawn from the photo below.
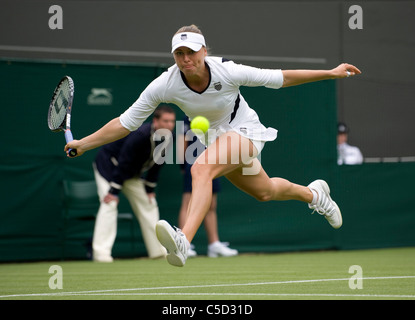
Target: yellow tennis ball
(200, 123)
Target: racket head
(61, 104)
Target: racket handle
(69, 138)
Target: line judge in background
(346, 154)
(128, 165)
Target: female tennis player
(209, 86)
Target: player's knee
(200, 172)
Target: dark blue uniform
(130, 157)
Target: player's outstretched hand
(345, 70)
(74, 144)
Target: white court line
(249, 294)
(119, 291)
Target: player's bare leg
(209, 165)
(215, 247)
(264, 188)
(183, 208)
(205, 169)
(210, 222)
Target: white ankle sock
(315, 197)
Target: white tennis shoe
(221, 249)
(174, 241)
(325, 205)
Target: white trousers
(147, 214)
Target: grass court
(386, 274)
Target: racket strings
(59, 106)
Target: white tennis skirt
(247, 124)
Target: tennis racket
(59, 115)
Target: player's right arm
(129, 121)
(110, 132)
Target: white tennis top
(221, 102)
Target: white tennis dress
(221, 102)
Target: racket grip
(69, 138)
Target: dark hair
(163, 108)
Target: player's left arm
(296, 77)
